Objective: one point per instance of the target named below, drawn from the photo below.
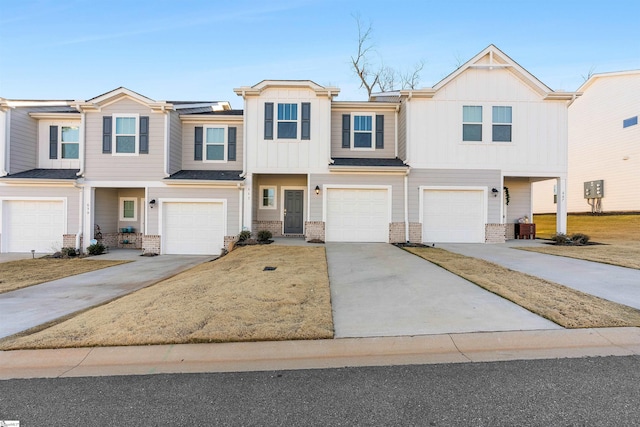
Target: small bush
(244, 235)
(579, 239)
(69, 252)
(561, 239)
(264, 235)
(96, 249)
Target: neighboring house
(428, 165)
(604, 145)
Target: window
(215, 144)
(501, 124)
(126, 135)
(287, 121)
(268, 197)
(128, 209)
(70, 137)
(363, 131)
(630, 122)
(471, 123)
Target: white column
(89, 204)
(561, 213)
(248, 206)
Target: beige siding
(175, 143)
(24, 141)
(106, 209)
(101, 166)
(280, 182)
(519, 200)
(231, 195)
(455, 178)
(389, 137)
(402, 132)
(188, 135)
(395, 181)
(72, 196)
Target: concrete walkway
(29, 307)
(378, 289)
(617, 284)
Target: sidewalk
(336, 353)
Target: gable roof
(256, 89)
(612, 74)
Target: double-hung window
(363, 131)
(70, 142)
(128, 209)
(267, 197)
(287, 121)
(125, 131)
(501, 131)
(215, 144)
(471, 123)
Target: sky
(194, 50)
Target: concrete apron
(380, 290)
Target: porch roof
(45, 174)
(368, 162)
(207, 175)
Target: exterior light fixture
(317, 189)
(494, 191)
(152, 203)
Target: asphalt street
(588, 391)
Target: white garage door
(193, 228)
(357, 215)
(29, 224)
(455, 216)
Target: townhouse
(451, 163)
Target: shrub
(264, 235)
(96, 249)
(561, 239)
(69, 252)
(579, 239)
(244, 235)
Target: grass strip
(622, 256)
(565, 306)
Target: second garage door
(33, 225)
(195, 228)
(454, 216)
(357, 215)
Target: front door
(293, 202)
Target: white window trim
(502, 124)
(481, 123)
(225, 144)
(298, 121)
(275, 197)
(135, 208)
(61, 143)
(373, 132)
(114, 136)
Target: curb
(319, 354)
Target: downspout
(396, 129)
(82, 143)
(7, 142)
(406, 206)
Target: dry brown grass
(28, 272)
(565, 306)
(621, 254)
(230, 299)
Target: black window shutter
(379, 131)
(306, 120)
(268, 120)
(231, 144)
(106, 134)
(144, 135)
(346, 130)
(53, 142)
(197, 144)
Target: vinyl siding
(402, 132)
(106, 209)
(188, 133)
(455, 178)
(395, 181)
(180, 192)
(175, 143)
(279, 181)
(101, 166)
(519, 200)
(388, 152)
(24, 141)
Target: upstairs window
(287, 121)
(70, 142)
(126, 136)
(471, 123)
(215, 144)
(501, 131)
(362, 131)
(630, 122)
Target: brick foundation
(396, 232)
(415, 232)
(228, 240)
(314, 230)
(69, 241)
(494, 233)
(510, 231)
(275, 227)
(151, 244)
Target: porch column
(88, 223)
(248, 205)
(561, 212)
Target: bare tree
(361, 62)
(590, 73)
(411, 79)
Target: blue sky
(201, 50)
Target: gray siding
(231, 195)
(24, 141)
(101, 166)
(188, 132)
(455, 177)
(389, 150)
(279, 181)
(402, 132)
(395, 181)
(519, 200)
(175, 142)
(106, 206)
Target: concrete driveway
(378, 289)
(29, 307)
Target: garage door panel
(357, 215)
(454, 216)
(33, 225)
(193, 228)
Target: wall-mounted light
(317, 189)
(494, 191)
(152, 203)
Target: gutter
(82, 142)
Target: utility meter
(594, 189)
